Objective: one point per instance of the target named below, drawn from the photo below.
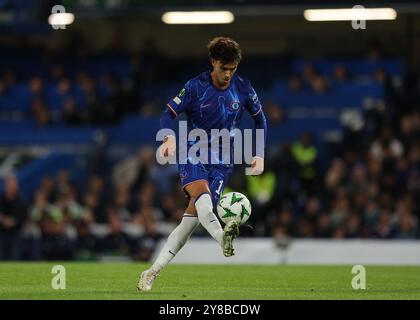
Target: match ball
(234, 206)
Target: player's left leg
(201, 199)
(218, 176)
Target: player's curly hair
(225, 50)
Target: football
(234, 205)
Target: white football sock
(176, 240)
(207, 218)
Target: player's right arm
(174, 108)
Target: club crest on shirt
(234, 105)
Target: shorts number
(220, 187)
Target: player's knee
(197, 188)
(204, 201)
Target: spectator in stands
(91, 203)
(56, 72)
(36, 87)
(47, 186)
(150, 109)
(71, 115)
(148, 241)
(409, 129)
(312, 209)
(39, 209)
(375, 51)
(13, 212)
(96, 185)
(335, 175)
(306, 156)
(387, 145)
(97, 111)
(116, 242)
(371, 217)
(121, 204)
(63, 183)
(295, 84)
(413, 172)
(3, 92)
(147, 169)
(113, 93)
(358, 180)
(384, 229)
(383, 78)
(309, 74)
(286, 169)
(304, 228)
(353, 226)
(168, 203)
(145, 208)
(40, 113)
(283, 218)
(359, 201)
(340, 74)
(61, 93)
(134, 171)
(87, 244)
(260, 189)
(406, 223)
(9, 77)
(57, 243)
(340, 210)
(275, 114)
(324, 228)
(319, 85)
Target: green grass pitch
(89, 281)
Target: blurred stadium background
(80, 107)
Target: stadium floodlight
(350, 14)
(198, 17)
(57, 19)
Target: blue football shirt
(208, 107)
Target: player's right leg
(176, 240)
(180, 235)
(200, 194)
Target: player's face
(222, 73)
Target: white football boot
(230, 232)
(147, 278)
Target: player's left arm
(255, 109)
